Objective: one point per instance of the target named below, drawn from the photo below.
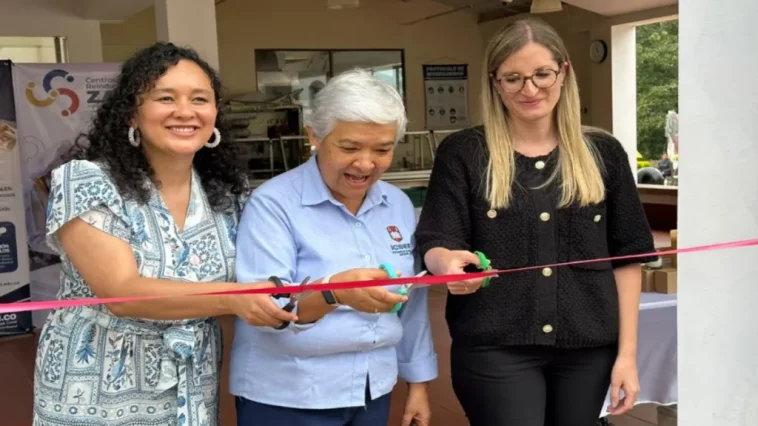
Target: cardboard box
(665, 280)
(674, 244)
(648, 280)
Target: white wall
(718, 201)
(41, 18)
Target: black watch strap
(329, 298)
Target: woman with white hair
(338, 363)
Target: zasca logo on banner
(53, 93)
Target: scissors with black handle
(294, 298)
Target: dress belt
(185, 347)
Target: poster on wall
(54, 104)
(14, 262)
(446, 95)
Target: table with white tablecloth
(656, 351)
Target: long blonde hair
(578, 164)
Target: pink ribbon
(6, 308)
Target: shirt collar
(315, 190)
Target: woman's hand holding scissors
(258, 309)
(441, 261)
(370, 299)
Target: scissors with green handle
(404, 289)
(484, 265)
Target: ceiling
(99, 10)
(619, 7)
(107, 10)
(116, 10)
(488, 10)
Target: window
(33, 49)
(300, 74)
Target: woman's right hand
(368, 299)
(441, 261)
(258, 309)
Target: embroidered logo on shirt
(401, 249)
(395, 233)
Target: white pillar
(189, 24)
(718, 201)
(624, 84)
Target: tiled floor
(17, 366)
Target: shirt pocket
(588, 237)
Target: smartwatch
(328, 295)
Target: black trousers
(532, 385)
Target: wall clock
(598, 51)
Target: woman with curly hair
(148, 207)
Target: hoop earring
(216, 139)
(134, 138)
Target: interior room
(274, 56)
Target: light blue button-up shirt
(292, 227)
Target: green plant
(657, 84)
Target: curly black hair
(221, 175)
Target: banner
(14, 262)
(446, 96)
(54, 104)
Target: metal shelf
(414, 173)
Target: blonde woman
(532, 187)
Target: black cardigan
(569, 306)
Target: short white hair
(356, 96)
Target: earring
(134, 139)
(216, 139)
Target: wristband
(328, 295)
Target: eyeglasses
(541, 79)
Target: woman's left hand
(624, 378)
(417, 411)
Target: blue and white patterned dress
(93, 368)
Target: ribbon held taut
(7, 308)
